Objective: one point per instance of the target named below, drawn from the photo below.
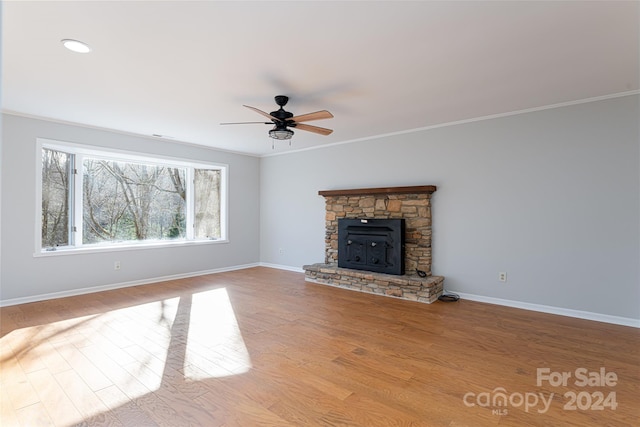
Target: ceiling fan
(283, 120)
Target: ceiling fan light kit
(280, 133)
(283, 120)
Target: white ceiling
(180, 68)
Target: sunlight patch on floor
(111, 358)
(215, 347)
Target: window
(100, 199)
(56, 171)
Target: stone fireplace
(413, 205)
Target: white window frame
(80, 151)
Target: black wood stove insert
(372, 245)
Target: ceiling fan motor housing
(281, 114)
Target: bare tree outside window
(129, 201)
(56, 173)
(207, 206)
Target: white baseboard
(606, 318)
(282, 267)
(587, 315)
(598, 317)
(83, 291)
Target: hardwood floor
(261, 347)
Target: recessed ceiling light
(76, 46)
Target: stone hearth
(411, 287)
(411, 203)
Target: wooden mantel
(416, 189)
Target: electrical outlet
(281, 251)
(116, 265)
(502, 276)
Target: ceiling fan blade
(247, 123)
(314, 129)
(318, 115)
(267, 115)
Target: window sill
(125, 247)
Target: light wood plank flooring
(261, 347)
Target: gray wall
(551, 197)
(24, 276)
